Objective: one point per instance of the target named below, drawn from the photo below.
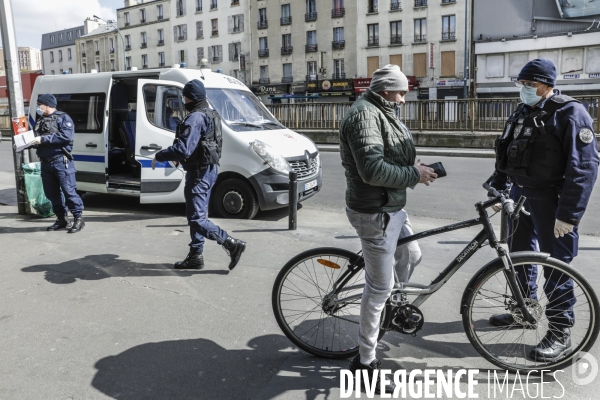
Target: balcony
(263, 24)
(311, 48)
(180, 38)
(339, 75)
(263, 52)
(312, 78)
(449, 35)
(420, 3)
(338, 44)
(235, 2)
(286, 50)
(287, 79)
(161, 43)
(216, 59)
(395, 5)
(83, 54)
(420, 38)
(286, 20)
(142, 21)
(373, 42)
(264, 80)
(214, 33)
(145, 66)
(161, 64)
(338, 12)
(396, 39)
(97, 52)
(308, 17)
(373, 8)
(160, 18)
(128, 47)
(448, 1)
(144, 45)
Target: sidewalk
(429, 151)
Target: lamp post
(110, 23)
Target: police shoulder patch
(69, 124)
(586, 135)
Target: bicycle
(316, 298)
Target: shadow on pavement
(102, 266)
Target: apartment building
(59, 53)
(30, 59)
(99, 48)
(146, 30)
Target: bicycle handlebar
(508, 205)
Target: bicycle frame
(425, 291)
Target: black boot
(194, 260)
(77, 225)
(553, 346)
(508, 321)
(375, 365)
(60, 223)
(235, 248)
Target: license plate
(310, 185)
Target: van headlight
(275, 160)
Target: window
(199, 30)
(70, 70)
(338, 39)
(127, 20)
(213, 4)
(373, 37)
(181, 56)
(311, 41)
(420, 65)
(396, 32)
(142, 15)
(160, 11)
(112, 65)
(164, 107)
(69, 55)
(85, 109)
(60, 38)
(161, 59)
(128, 62)
(61, 71)
(287, 73)
(97, 45)
(78, 33)
(180, 8)
(236, 23)
(111, 45)
(262, 18)
(143, 38)
(52, 72)
(51, 38)
(51, 56)
(59, 55)
(214, 23)
(215, 54)
(144, 61)
(311, 6)
(161, 37)
(180, 33)
(127, 42)
(338, 69)
(286, 17)
(286, 43)
(98, 66)
(396, 5)
(448, 27)
(82, 49)
(263, 47)
(337, 6)
(448, 64)
(421, 30)
(311, 71)
(420, 3)
(373, 6)
(69, 35)
(234, 51)
(198, 5)
(264, 74)
(199, 55)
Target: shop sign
(594, 75)
(454, 82)
(572, 76)
(330, 94)
(270, 89)
(329, 85)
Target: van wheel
(235, 198)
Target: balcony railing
(338, 75)
(311, 77)
(180, 38)
(286, 50)
(216, 59)
(448, 1)
(263, 52)
(373, 42)
(287, 79)
(236, 57)
(310, 17)
(449, 35)
(160, 17)
(145, 66)
(83, 54)
(237, 29)
(264, 80)
(420, 38)
(127, 24)
(213, 6)
(97, 52)
(311, 48)
(396, 39)
(286, 20)
(420, 3)
(161, 42)
(214, 33)
(338, 12)
(142, 21)
(198, 9)
(373, 8)
(263, 24)
(111, 51)
(144, 45)
(161, 64)
(395, 5)
(338, 44)
(128, 47)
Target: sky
(44, 16)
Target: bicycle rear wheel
(509, 347)
(301, 301)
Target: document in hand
(23, 140)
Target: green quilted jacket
(378, 155)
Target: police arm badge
(586, 135)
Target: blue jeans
(60, 187)
(198, 186)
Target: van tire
(235, 198)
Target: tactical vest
(526, 149)
(208, 151)
(48, 125)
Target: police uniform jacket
(52, 142)
(573, 125)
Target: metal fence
(435, 115)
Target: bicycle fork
(511, 277)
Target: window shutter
(241, 17)
(185, 32)
(178, 3)
(220, 51)
(175, 34)
(230, 24)
(183, 7)
(210, 54)
(198, 29)
(231, 51)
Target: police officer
(200, 177)
(172, 121)
(548, 152)
(54, 132)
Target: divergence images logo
(585, 369)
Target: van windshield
(241, 110)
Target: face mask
(39, 111)
(189, 106)
(529, 96)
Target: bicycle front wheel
(568, 301)
(303, 307)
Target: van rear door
(159, 109)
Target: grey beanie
(389, 79)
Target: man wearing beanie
(379, 155)
(197, 147)
(54, 132)
(547, 153)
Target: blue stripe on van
(97, 159)
(31, 122)
(148, 164)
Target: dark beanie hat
(539, 70)
(194, 90)
(47, 99)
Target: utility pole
(15, 95)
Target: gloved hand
(496, 207)
(154, 161)
(562, 228)
(37, 140)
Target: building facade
(100, 48)
(30, 59)
(59, 54)
(568, 33)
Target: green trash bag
(35, 190)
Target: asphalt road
(452, 197)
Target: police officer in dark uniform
(54, 132)
(194, 135)
(548, 152)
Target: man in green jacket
(379, 155)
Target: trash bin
(35, 190)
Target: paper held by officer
(24, 140)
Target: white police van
(123, 118)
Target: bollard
(293, 199)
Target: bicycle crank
(406, 319)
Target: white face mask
(529, 96)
